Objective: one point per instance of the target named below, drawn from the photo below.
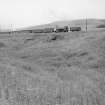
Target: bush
(2, 45)
(55, 37)
(101, 26)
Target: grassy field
(36, 69)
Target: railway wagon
(75, 29)
(62, 29)
(45, 30)
(37, 31)
(22, 31)
(48, 30)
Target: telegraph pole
(86, 24)
(12, 29)
(0, 28)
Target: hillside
(92, 23)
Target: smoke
(59, 15)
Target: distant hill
(92, 23)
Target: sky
(24, 13)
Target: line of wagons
(56, 30)
(48, 30)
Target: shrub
(2, 45)
(101, 26)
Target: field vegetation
(53, 69)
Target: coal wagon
(62, 29)
(48, 30)
(75, 29)
(37, 31)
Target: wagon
(75, 29)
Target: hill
(92, 23)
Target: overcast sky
(23, 13)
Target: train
(46, 30)
(56, 30)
